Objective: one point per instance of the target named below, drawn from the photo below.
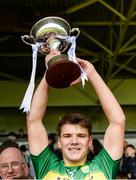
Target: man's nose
(74, 139)
(10, 169)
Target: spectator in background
(12, 162)
(21, 134)
(25, 151)
(96, 147)
(12, 136)
(128, 167)
(125, 143)
(121, 174)
(51, 141)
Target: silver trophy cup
(52, 33)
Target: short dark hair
(130, 145)
(8, 144)
(74, 118)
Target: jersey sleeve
(43, 162)
(107, 164)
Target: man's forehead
(10, 153)
(71, 128)
(11, 149)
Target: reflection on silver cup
(53, 33)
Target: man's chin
(75, 159)
(75, 155)
(22, 177)
(10, 177)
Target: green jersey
(49, 167)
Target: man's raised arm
(114, 135)
(37, 135)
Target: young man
(74, 135)
(12, 162)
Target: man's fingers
(77, 81)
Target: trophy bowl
(62, 72)
(53, 33)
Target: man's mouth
(74, 149)
(11, 176)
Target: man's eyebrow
(82, 134)
(78, 134)
(3, 164)
(66, 134)
(11, 162)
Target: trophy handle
(29, 40)
(75, 32)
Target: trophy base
(61, 72)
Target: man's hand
(87, 67)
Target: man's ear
(26, 169)
(0, 173)
(90, 142)
(59, 143)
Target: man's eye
(82, 135)
(15, 164)
(66, 136)
(4, 166)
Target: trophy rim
(48, 18)
(57, 59)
